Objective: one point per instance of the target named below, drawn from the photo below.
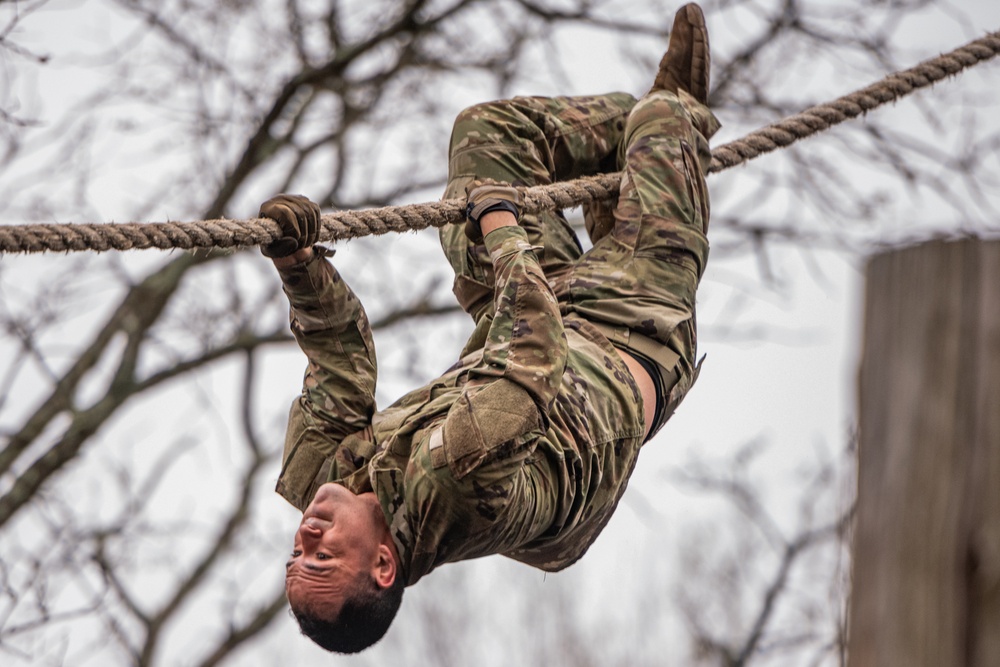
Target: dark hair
(363, 619)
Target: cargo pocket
(697, 189)
(484, 424)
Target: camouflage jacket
(522, 448)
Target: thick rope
(351, 224)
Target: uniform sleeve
(338, 390)
(332, 330)
(505, 404)
(526, 343)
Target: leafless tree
(785, 587)
(137, 391)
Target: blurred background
(143, 394)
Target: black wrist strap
(499, 205)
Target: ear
(384, 569)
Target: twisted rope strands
(823, 116)
(351, 224)
(134, 236)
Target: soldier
(524, 447)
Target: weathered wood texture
(926, 577)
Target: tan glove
(299, 221)
(485, 197)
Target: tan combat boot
(686, 63)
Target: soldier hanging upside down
(524, 447)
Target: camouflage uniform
(526, 444)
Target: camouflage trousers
(638, 280)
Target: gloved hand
(487, 196)
(299, 220)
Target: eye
(322, 556)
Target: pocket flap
(305, 469)
(484, 419)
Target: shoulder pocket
(305, 468)
(485, 423)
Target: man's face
(335, 543)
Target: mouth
(322, 504)
(316, 523)
(317, 512)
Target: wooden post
(926, 565)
